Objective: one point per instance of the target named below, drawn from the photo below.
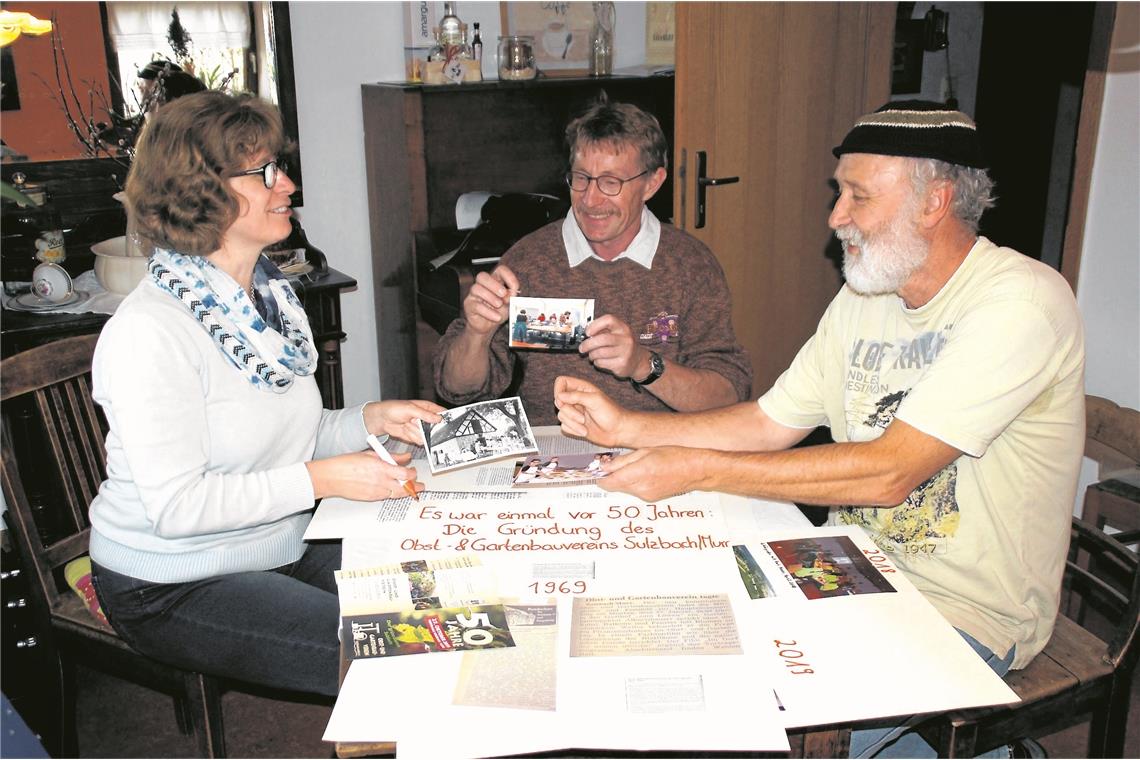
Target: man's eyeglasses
(268, 171)
(608, 184)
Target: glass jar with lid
(516, 57)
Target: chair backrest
(1112, 434)
(53, 457)
(1109, 584)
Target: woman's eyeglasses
(608, 184)
(268, 171)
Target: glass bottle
(50, 247)
(602, 40)
(19, 233)
(451, 37)
(477, 44)
(452, 52)
(44, 218)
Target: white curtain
(143, 25)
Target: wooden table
(828, 740)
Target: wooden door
(766, 90)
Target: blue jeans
(901, 741)
(277, 628)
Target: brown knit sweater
(685, 280)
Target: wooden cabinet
(424, 146)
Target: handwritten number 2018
(558, 587)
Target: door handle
(705, 182)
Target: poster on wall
(419, 37)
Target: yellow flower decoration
(13, 24)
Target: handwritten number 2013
(558, 587)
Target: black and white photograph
(478, 433)
(549, 324)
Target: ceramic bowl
(51, 282)
(114, 269)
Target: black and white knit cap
(918, 129)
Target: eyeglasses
(268, 171)
(608, 184)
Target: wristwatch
(656, 369)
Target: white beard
(887, 257)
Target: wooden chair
(48, 410)
(1079, 676)
(1112, 439)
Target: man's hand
(466, 365)
(612, 346)
(655, 473)
(586, 412)
(487, 303)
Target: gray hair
(616, 125)
(973, 188)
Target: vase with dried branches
(104, 132)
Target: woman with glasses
(218, 445)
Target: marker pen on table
(374, 442)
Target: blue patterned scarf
(269, 350)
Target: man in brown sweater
(613, 249)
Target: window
(220, 41)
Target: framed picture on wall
(561, 33)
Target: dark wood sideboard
(320, 293)
(426, 145)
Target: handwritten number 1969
(558, 587)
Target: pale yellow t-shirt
(993, 365)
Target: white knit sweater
(205, 473)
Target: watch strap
(656, 369)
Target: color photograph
(549, 324)
(560, 470)
(829, 566)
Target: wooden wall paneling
(1088, 129)
(393, 163)
(804, 277)
(772, 118)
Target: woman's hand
(362, 476)
(401, 419)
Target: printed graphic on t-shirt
(878, 370)
(921, 524)
(885, 409)
(879, 376)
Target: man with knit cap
(951, 374)
(638, 271)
